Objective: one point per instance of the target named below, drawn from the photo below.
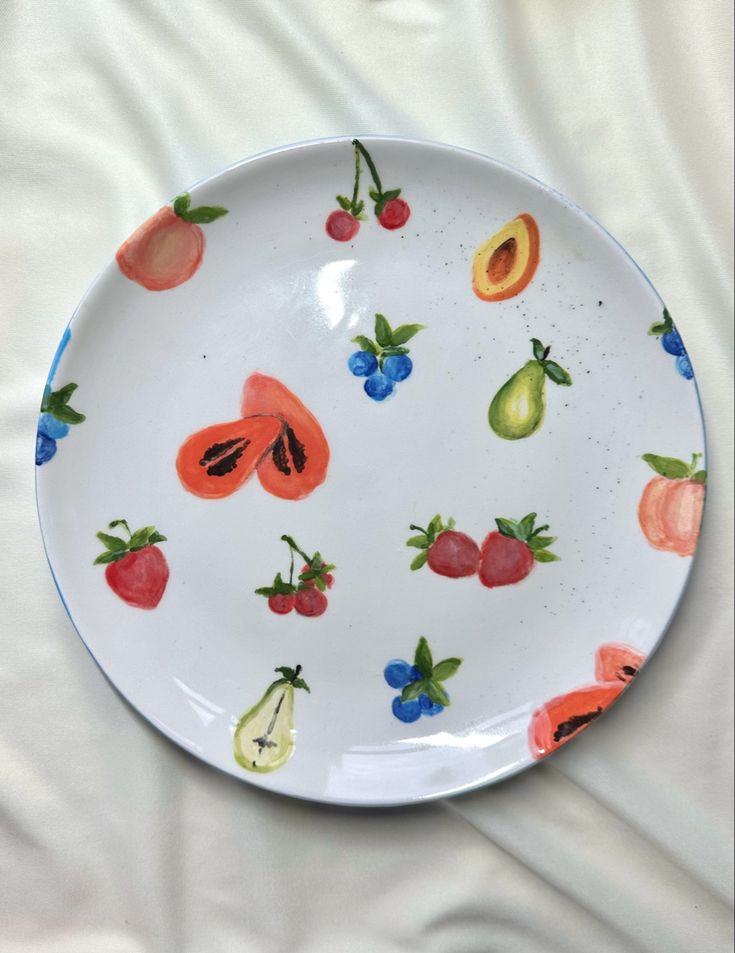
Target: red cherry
(139, 578)
(341, 226)
(503, 560)
(395, 214)
(327, 578)
(281, 603)
(454, 554)
(311, 602)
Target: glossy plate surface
(226, 405)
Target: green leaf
(700, 476)
(67, 414)
(383, 333)
(288, 673)
(156, 537)
(204, 214)
(507, 527)
(422, 658)
(358, 209)
(45, 399)
(445, 669)
(265, 591)
(540, 542)
(124, 523)
(300, 683)
(420, 542)
(182, 203)
(404, 332)
(413, 690)
(366, 344)
(668, 467)
(436, 693)
(435, 526)
(538, 349)
(139, 539)
(109, 557)
(113, 543)
(374, 195)
(557, 374)
(278, 681)
(389, 351)
(344, 202)
(525, 527)
(420, 560)
(391, 194)
(544, 556)
(62, 395)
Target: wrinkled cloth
(112, 840)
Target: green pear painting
(518, 408)
(264, 736)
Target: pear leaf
(557, 374)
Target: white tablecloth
(112, 839)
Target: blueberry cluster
(383, 361)
(54, 422)
(398, 674)
(672, 343)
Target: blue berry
(406, 711)
(56, 429)
(428, 707)
(398, 673)
(378, 386)
(362, 363)
(45, 448)
(397, 367)
(673, 343)
(684, 366)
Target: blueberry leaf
(413, 690)
(436, 693)
(365, 344)
(445, 669)
(422, 659)
(405, 332)
(67, 414)
(383, 333)
(420, 560)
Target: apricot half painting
(558, 720)
(670, 510)
(276, 435)
(167, 249)
(504, 265)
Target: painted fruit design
(264, 736)
(383, 361)
(421, 684)
(277, 436)
(167, 249)
(518, 408)
(505, 264)
(307, 593)
(54, 422)
(562, 718)
(447, 551)
(391, 211)
(670, 510)
(672, 343)
(509, 553)
(135, 568)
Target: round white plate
(528, 652)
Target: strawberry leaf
(435, 526)
(383, 333)
(422, 658)
(668, 467)
(113, 543)
(445, 669)
(419, 542)
(536, 543)
(420, 560)
(109, 557)
(405, 332)
(544, 556)
(525, 527)
(508, 527)
(366, 344)
(139, 539)
(156, 537)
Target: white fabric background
(114, 841)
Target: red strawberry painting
(447, 551)
(136, 569)
(167, 249)
(509, 553)
(560, 719)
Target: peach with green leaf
(670, 509)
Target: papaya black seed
(629, 670)
(568, 727)
(228, 463)
(217, 449)
(280, 458)
(297, 450)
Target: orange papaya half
(298, 460)
(215, 461)
(562, 718)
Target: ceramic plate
(376, 498)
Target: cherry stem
(370, 164)
(290, 574)
(356, 189)
(293, 546)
